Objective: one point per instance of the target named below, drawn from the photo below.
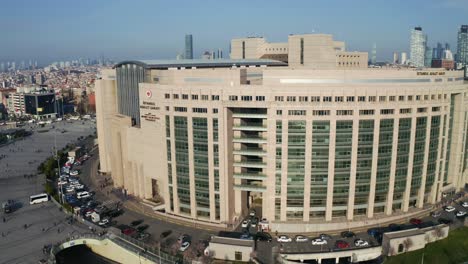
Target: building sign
(149, 105)
(150, 117)
(430, 73)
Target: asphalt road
(17, 244)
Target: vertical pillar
(375, 155)
(406, 195)
(307, 170)
(211, 167)
(331, 170)
(422, 188)
(352, 178)
(193, 199)
(391, 186)
(284, 169)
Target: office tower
(417, 47)
(404, 58)
(462, 45)
(438, 51)
(220, 53)
(374, 54)
(2, 67)
(188, 47)
(428, 57)
(383, 145)
(395, 57)
(213, 55)
(13, 66)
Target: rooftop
(201, 63)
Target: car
(284, 238)
(89, 213)
(104, 222)
(394, 227)
(319, 241)
(136, 222)
(252, 212)
(245, 223)
(325, 236)
(165, 234)
(142, 236)
(74, 173)
(360, 243)
(464, 204)
(445, 221)
(183, 238)
(461, 214)
(261, 236)
(415, 221)
(449, 208)
(254, 221)
(142, 228)
(341, 244)
(184, 246)
(347, 234)
(246, 236)
(301, 238)
(436, 214)
(129, 231)
(77, 163)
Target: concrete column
(269, 197)
(406, 195)
(331, 170)
(373, 180)
(422, 189)
(211, 168)
(352, 178)
(284, 169)
(391, 182)
(439, 162)
(307, 170)
(174, 171)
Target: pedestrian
(4, 220)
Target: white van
(82, 195)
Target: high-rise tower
(188, 47)
(462, 45)
(417, 47)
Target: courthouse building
(302, 131)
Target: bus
(39, 198)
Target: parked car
(319, 241)
(254, 222)
(183, 238)
(301, 238)
(261, 236)
(325, 236)
(245, 223)
(184, 246)
(284, 238)
(360, 243)
(142, 228)
(246, 235)
(253, 212)
(415, 221)
(89, 213)
(142, 236)
(464, 204)
(136, 222)
(394, 227)
(74, 173)
(104, 222)
(165, 233)
(436, 214)
(341, 244)
(461, 214)
(445, 221)
(347, 234)
(449, 208)
(129, 231)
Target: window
(436, 109)
(350, 99)
(194, 96)
(327, 98)
(204, 97)
(426, 97)
(233, 98)
(418, 98)
(167, 108)
(371, 98)
(391, 98)
(422, 110)
(279, 112)
(215, 97)
(433, 96)
(315, 99)
(439, 96)
(386, 111)
(303, 98)
(279, 98)
(321, 112)
(175, 96)
(405, 111)
(401, 98)
(180, 109)
(344, 112)
(259, 98)
(246, 98)
(185, 97)
(238, 255)
(215, 110)
(361, 99)
(366, 112)
(296, 112)
(382, 98)
(167, 96)
(291, 98)
(199, 110)
(338, 98)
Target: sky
(49, 30)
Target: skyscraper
(417, 47)
(374, 54)
(188, 47)
(395, 57)
(404, 59)
(428, 57)
(462, 45)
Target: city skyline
(53, 30)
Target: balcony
(250, 176)
(251, 164)
(252, 188)
(249, 128)
(247, 115)
(250, 152)
(249, 139)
